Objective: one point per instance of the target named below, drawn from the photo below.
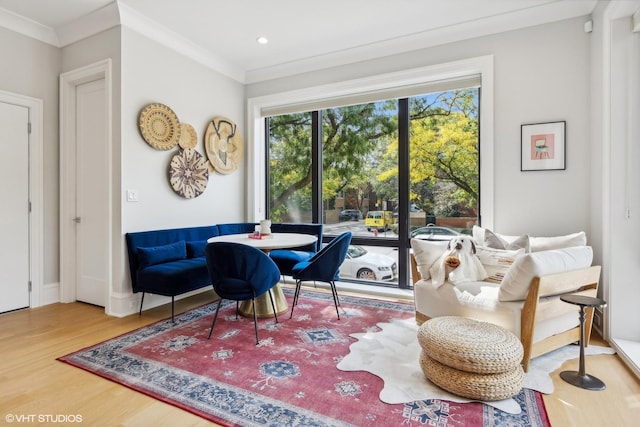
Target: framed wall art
(543, 146)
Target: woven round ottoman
(473, 359)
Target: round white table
(266, 244)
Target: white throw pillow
(558, 242)
(426, 252)
(515, 284)
(478, 235)
(497, 261)
(537, 244)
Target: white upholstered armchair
(522, 293)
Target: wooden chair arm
(573, 281)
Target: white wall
(153, 73)
(597, 111)
(31, 68)
(89, 51)
(625, 184)
(615, 104)
(541, 74)
(622, 195)
(143, 72)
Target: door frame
(36, 225)
(68, 84)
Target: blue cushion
(302, 228)
(161, 254)
(236, 228)
(299, 267)
(195, 249)
(324, 266)
(146, 239)
(285, 259)
(173, 278)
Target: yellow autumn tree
(446, 150)
(443, 149)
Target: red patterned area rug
(289, 379)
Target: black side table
(581, 378)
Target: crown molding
(134, 20)
(27, 27)
(110, 16)
(548, 13)
(118, 13)
(93, 23)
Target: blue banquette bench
(171, 262)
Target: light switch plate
(132, 195)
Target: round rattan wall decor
(159, 126)
(223, 145)
(188, 173)
(188, 136)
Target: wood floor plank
(33, 382)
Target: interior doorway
(85, 185)
(91, 193)
(14, 191)
(21, 193)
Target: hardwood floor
(33, 385)
(617, 405)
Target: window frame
(257, 185)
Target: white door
(91, 193)
(14, 221)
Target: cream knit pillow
(426, 252)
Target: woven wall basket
(223, 145)
(188, 137)
(188, 173)
(159, 126)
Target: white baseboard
(125, 304)
(49, 294)
(629, 352)
(122, 304)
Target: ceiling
(302, 35)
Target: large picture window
(388, 169)
(359, 172)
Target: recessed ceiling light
(262, 40)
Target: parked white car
(361, 264)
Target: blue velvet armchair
(285, 259)
(323, 267)
(240, 273)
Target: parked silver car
(362, 264)
(433, 232)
